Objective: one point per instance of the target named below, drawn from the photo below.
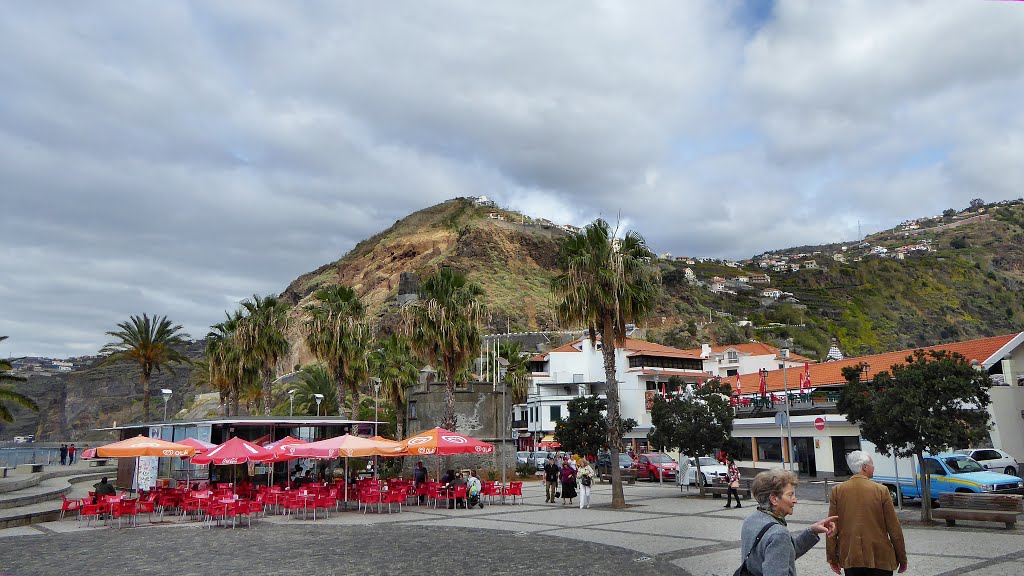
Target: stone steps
(41, 501)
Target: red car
(656, 466)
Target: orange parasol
(143, 446)
(344, 446)
(443, 442)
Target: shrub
(524, 470)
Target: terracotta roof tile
(831, 373)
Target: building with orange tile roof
(748, 358)
(822, 437)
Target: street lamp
(784, 354)
(291, 403)
(167, 395)
(376, 410)
(319, 398)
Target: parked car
(992, 459)
(949, 473)
(712, 470)
(538, 459)
(604, 462)
(522, 457)
(656, 466)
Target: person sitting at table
(457, 481)
(102, 489)
(447, 477)
(420, 476)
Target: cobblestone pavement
(662, 532)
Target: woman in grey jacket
(776, 553)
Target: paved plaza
(662, 532)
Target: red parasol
(443, 442)
(234, 451)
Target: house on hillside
(742, 359)
(760, 279)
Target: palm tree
(261, 336)
(443, 327)
(396, 367)
(315, 379)
(604, 284)
(223, 361)
(152, 343)
(517, 370)
(334, 335)
(8, 394)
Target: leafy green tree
(696, 423)
(261, 337)
(585, 430)
(444, 327)
(605, 283)
(315, 379)
(394, 364)
(334, 335)
(152, 343)
(517, 371)
(932, 402)
(7, 394)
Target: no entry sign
(819, 423)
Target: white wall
(1008, 424)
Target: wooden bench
(34, 468)
(980, 507)
(718, 490)
(3, 471)
(628, 476)
(98, 463)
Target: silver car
(539, 459)
(993, 459)
(522, 457)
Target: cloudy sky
(176, 157)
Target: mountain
(933, 280)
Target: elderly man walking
(868, 540)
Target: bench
(3, 471)
(97, 463)
(628, 476)
(717, 490)
(1002, 508)
(34, 468)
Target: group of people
(568, 479)
(67, 454)
(452, 479)
(863, 533)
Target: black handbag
(742, 570)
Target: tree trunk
(355, 401)
(926, 489)
(267, 389)
(145, 395)
(339, 386)
(448, 421)
(236, 398)
(612, 392)
(400, 412)
(698, 478)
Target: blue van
(952, 473)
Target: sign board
(819, 423)
(780, 418)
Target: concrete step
(42, 503)
(22, 481)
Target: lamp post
(784, 353)
(291, 403)
(319, 398)
(376, 410)
(167, 396)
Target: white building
(577, 369)
(733, 359)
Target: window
(412, 410)
(732, 372)
(556, 413)
(769, 449)
(933, 467)
(732, 357)
(746, 449)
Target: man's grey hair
(856, 461)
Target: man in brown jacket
(868, 540)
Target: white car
(712, 470)
(993, 459)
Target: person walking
(768, 548)
(72, 451)
(568, 478)
(63, 454)
(733, 476)
(585, 474)
(550, 480)
(868, 540)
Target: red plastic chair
(514, 489)
(489, 489)
(435, 492)
(123, 508)
(147, 506)
(395, 496)
(324, 503)
(69, 506)
(370, 496)
(90, 511)
(294, 504)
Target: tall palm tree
(223, 361)
(333, 335)
(261, 337)
(355, 351)
(152, 343)
(604, 284)
(516, 373)
(315, 379)
(444, 327)
(395, 365)
(8, 394)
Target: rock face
(73, 404)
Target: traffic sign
(780, 418)
(819, 423)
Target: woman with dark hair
(768, 548)
(568, 478)
(733, 475)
